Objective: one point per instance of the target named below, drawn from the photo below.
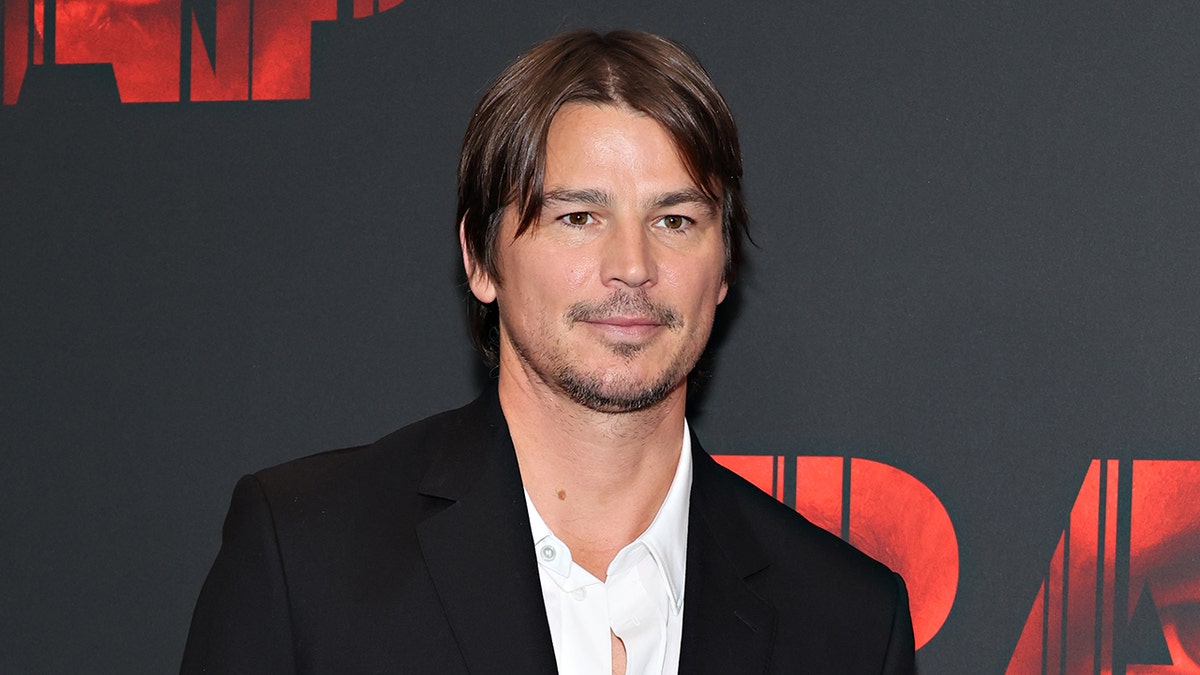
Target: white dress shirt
(641, 600)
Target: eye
(578, 219)
(675, 222)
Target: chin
(611, 393)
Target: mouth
(625, 327)
(626, 321)
(625, 316)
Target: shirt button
(548, 553)
(579, 593)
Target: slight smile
(626, 326)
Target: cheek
(549, 260)
(699, 288)
(572, 268)
(545, 283)
(575, 276)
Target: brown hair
(504, 150)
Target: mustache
(625, 304)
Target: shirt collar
(665, 538)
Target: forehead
(611, 143)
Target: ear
(477, 278)
(724, 291)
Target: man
(600, 218)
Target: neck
(597, 479)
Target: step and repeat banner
(967, 339)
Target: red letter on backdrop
(140, 38)
(16, 48)
(1081, 620)
(225, 74)
(283, 46)
(264, 55)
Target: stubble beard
(623, 395)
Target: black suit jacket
(413, 555)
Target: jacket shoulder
(318, 554)
(397, 460)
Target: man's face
(609, 297)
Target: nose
(628, 256)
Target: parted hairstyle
(503, 160)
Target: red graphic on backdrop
(239, 49)
(883, 511)
(1122, 594)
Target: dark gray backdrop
(976, 229)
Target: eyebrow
(685, 196)
(577, 196)
(596, 197)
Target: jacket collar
(727, 627)
(477, 548)
(490, 590)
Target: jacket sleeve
(242, 622)
(901, 657)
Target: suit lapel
(478, 549)
(727, 628)
(480, 556)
